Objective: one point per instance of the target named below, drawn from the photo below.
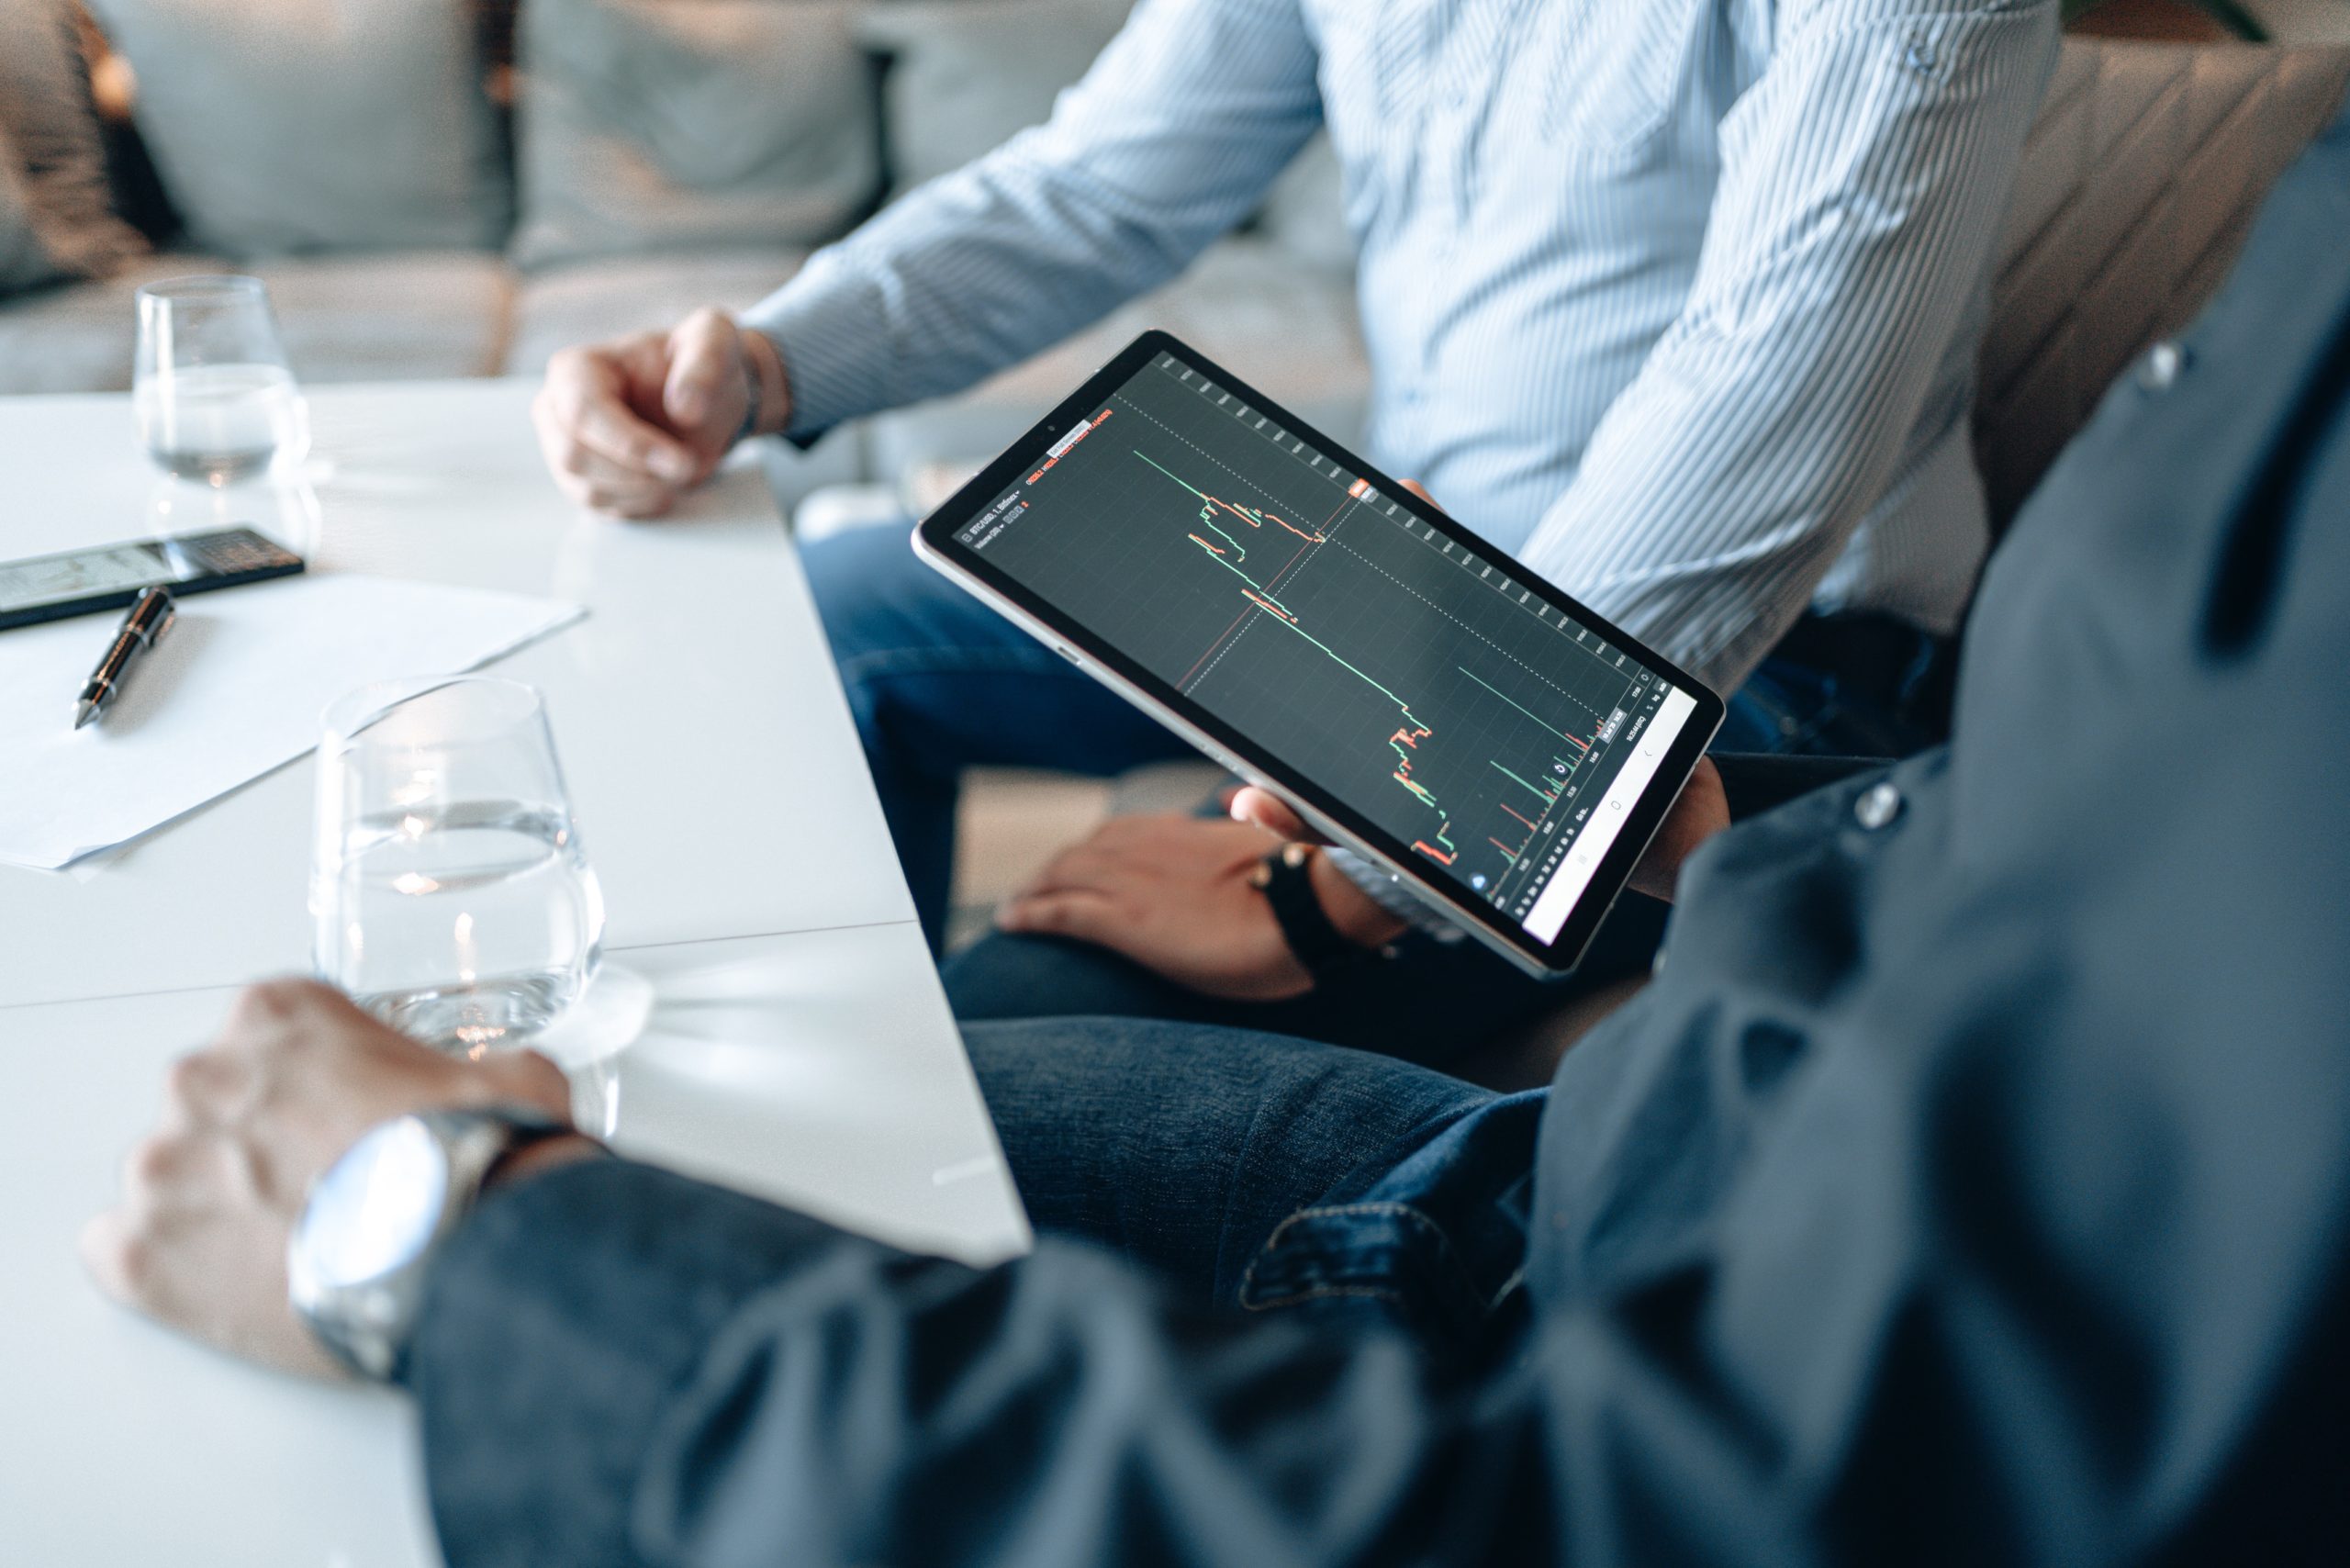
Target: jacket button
(1877, 805)
(2160, 367)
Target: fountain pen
(151, 616)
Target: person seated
(1677, 302)
(1972, 1185)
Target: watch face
(373, 1211)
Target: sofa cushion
(2139, 181)
(591, 301)
(680, 125)
(1289, 330)
(967, 74)
(284, 126)
(415, 315)
(344, 317)
(78, 337)
(54, 151)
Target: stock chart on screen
(1477, 724)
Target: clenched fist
(629, 426)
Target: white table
(800, 1046)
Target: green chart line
(1546, 796)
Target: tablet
(1316, 628)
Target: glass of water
(449, 893)
(214, 397)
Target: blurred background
(437, 188)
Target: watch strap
(1286, 878)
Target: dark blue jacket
(1971, 1187)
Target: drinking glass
(214, 397)
(449, 893)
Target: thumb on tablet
(1251, 804)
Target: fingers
(1078, 914)
(1418, 489)
(526, 1078)
(112, 1258)
(600, 448)
(707, 390)
(1273, 815)
(590, 476)
(610, 429)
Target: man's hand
(199, 1238)
(628, 426)
(1172, 893)
(1702, 812)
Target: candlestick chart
(1424, 685)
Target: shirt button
(1878, 804)
(2160, 367)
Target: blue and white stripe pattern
(1676, 300)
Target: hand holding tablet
(1315, 627)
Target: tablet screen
(1398, 667)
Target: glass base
(473, 1020)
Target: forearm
(1170, 139)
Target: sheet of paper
(233, 691)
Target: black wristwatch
(1286, 878)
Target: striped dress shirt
(1675, 300)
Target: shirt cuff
(828, 329)
(561, 1321)
(1395, 896)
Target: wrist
(1353, 911)
(543, 1156)
(765, 366)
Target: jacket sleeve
(1172, 138)
(619, 1366)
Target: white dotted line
(1329, 533)
(1229, 646)
(1203, 451)
(1466, 627)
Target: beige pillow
(282, 126)
(54, 149)
(648, 125)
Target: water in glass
(452, 897)
(214, 395)
(220, 422)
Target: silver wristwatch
(376, 1221)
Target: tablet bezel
(934, 542)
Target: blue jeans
(938, 682)
(1259, 1173)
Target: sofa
(460, 187)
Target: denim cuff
(1438, 1243)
